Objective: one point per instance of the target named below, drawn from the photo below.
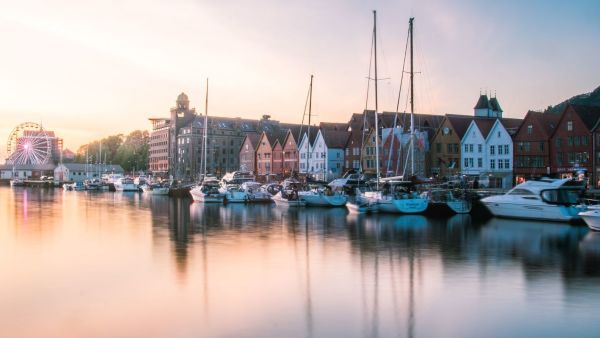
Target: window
(479, 148)
(570, 140)
(506, 163)
(466, 147)
(541, 146)
(480, 162)
(492, 164)
(499, 164)
(506, 151)
(466, 165)
(456, 147)
(576, 140)
(498, 134)
(449, 147)
(558, 142)
(584, 140)
(529, 129)
(492, 150)
(470, 148)
(569, 125)
(499, 150)
(471, 162)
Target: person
(476, 183)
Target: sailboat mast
(205, 129)
(376, 107)
(412, 100)
(308, 128)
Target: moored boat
(542, 199)
(208, 192)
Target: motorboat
(140, 180)
(288, 195)
(362, 205)
(325, 197)
(126, 184)
(288, 199)
(234, 193)
(271, 188)
(541, 199)
(155, 189)
(591, 218)
(237, 177)
(17, 182)
(75, 186)
(449, 200)
(93, 184)
(255, 193)
(208, 191)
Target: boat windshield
(561, 196)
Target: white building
(25, 171)
(324, 158)
(487, 151)
(78, 172)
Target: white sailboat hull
(321, 200)
(280, 201)
(403, 206)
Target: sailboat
(397, 195)
(207, 191)
(319, 197)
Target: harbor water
(104, 264)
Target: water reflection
(268, 271)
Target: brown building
(445, 150)
(572, 144)
(531, 145)
(291, 156)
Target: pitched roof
(335, 139)
(589, 115)
(484, 126)
(495, 105)
(44, 167)
(511, 125)
(253, 138)
(459, 123)
(333, 126)
(483, 102)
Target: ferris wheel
(28, 143)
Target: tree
(130, 152)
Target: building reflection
(394, 253)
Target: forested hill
(588, 99)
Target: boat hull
(160, 191)
(280, 201)
(403, 206)
(591, 218)
(322, 200)
(201, 197)
(544, 212)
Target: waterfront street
(85, 264)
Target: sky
(88, 69)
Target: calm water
(130, 265)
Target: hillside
(588, 99)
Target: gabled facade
(532, 145)
(264, 155)
(445, 151)
(369, 159)
(572, 144)
(248, 152)
(487, 153)
(305, 149)
(327, 161)
(290, 154)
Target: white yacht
(208, 191)
(542, 199)
(397, 197)
(325, 197)
(126, 184)
(288, 195)
(449, 200)
(255, 193)
(591, 218)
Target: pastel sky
(88, 69)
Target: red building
(248, 151)
(572, 143)
(532, 145)
(290, 152)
